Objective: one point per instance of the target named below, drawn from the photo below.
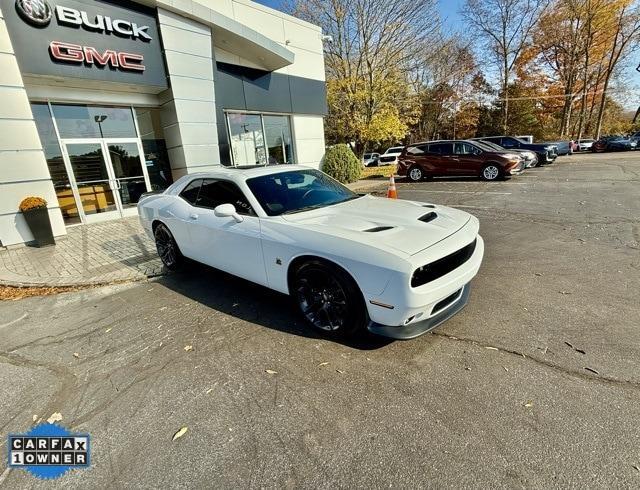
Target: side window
(462, 148)
(441, 148)
(216, 192)
(509, 143)
(190, 193)
(417, 150)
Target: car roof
(236, 174)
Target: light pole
(100, 119)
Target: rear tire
(167, 248)
(415, 174)
(491, 171)
(329, 299)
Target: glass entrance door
(108, 177)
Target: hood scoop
(377, 229)
(429, 217)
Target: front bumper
(413, 330)
(403, 311)
(518, 169)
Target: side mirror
(228, 211)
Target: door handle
(193, 216)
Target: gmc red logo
(91, 56)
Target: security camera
(328, 39)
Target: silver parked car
(585, 144)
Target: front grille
(445, 302)
(443, 266)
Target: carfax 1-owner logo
(48, 451)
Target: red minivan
(457, 158)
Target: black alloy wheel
(167, 248)
(329, 299)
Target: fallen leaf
(528, 404)
(564, 292)
(76, 355)
(591, 370)
(180, 433)
(34, 418)
(188, 348)
(107, 330)
(636, 467)
(323, 364)
(163, 308)
(55, 417)
(538, 274)
(491, 348)
(467, 369)
(338, 371)
(209, 390)
(505, 369)
(270, 371)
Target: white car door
(223, 242)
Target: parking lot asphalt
(535, 384)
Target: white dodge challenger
(351, 262)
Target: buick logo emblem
(36, 12)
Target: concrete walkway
(99, 253)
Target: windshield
(488, 146)
(397, 149)
(298, 190)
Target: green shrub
(341, 164)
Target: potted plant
(34, 210)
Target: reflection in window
(247, 139)
(81, 121)
(57, 170)
(279, 143)
(259, 139)
(154, 146)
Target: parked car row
(489, 158)
(616, 143)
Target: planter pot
(40, 226)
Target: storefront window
(247, 139)
(257, 139)
(81, 121)
(57, 169)
(279, 142)
(154, 145)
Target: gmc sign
(89, 55)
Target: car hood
(402, 226)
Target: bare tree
(506, 27)
(373, 42)
(625, 40)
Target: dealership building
(103, 100)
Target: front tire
(167, 248)
(415, 174)
(491, 172)
(329, 299)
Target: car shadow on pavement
(252, 303)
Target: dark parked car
(613, 143)
(546, 153)
(457, 158)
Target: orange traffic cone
(392, 193)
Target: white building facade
(103, 100)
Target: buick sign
(36, 12)
(100, 23)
